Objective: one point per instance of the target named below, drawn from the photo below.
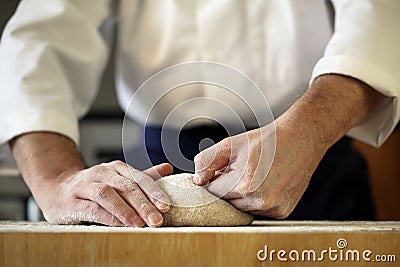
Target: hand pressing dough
(193, 205)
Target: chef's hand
(261, 182)
(240, 164)
(110, 193)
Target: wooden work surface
(43, 244)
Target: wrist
(300, 123)
(45, 159)
(331, 107)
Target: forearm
(45, 158)
(331, 107)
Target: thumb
(210, 160)
(158, 171)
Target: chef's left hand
(244, 169)
(237, 169)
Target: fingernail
(155, 219)
(162, 206)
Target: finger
(144, 207)
(274, 213)
(90, 211)
(231, 183)
(132, 199)
(256, 206)
(158, 171)
(248, 204)
(226, 185)
(110, 200)
(211, 160)
(147, 184)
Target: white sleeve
(52, 55)
(366, 46)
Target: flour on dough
(193, 205)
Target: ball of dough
(192, 205)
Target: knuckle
(97, 169)
(225, 142)
(76, 184)
(103, 191)
(198, 158)
(118, 163)
(139, 177)
(203, 161)
(128, 186)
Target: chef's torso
(275, 43)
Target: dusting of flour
(193, 205)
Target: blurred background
(101, 140)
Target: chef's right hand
(111, 194)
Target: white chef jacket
(53, 53)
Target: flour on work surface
(192, 205)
